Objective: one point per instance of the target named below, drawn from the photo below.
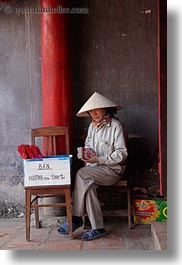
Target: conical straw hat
(96, 101)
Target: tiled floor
(12, 236)
(159, 235)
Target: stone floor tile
(63, 245)
(135, 235)
(22, 244)
(144, 244)
(105, 243)
(40, 231)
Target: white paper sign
(53, 170)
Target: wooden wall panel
(116, 55)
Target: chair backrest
(51, 138)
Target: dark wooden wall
(163, 90)
(115, 54)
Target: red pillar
(56, 68)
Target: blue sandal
(93, 234)
(64, 228)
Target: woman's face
(97, 114)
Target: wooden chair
(122, 187)
(49, 136)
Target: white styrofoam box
(50, 170)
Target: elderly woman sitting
(106, 137)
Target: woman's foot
(76, 223)
(93, 234)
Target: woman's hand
(94, 159)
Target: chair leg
(68, 210)
(27, 213)
(37, 214)
(129, 208)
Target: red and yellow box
(147, 211)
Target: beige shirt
(109, 145)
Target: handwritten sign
(53, 170)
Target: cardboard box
(51, 170)
(147, 211)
